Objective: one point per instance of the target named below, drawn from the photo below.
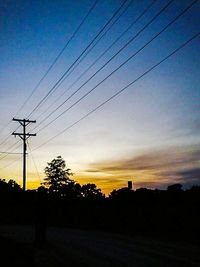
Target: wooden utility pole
(24, 136)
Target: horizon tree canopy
(57, 175)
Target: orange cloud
(153, 169)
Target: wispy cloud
(155, 168)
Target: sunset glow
(149, 134)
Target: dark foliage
(172, 213)
(57, 176)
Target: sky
(149, 134)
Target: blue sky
(157, 115)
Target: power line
(82, 53)
(108, 22)
(123, 89)
(50, 67)
(13, 153)
(4, 140)
(120, 66)
(34, 162)
(14, 148)
(106, 31)
(7, 153)
(91, 48)
(11, 145)
(59, 54)
(100, 39)
(101, 55)
(8, 136)
(5, 126)
(8, 165)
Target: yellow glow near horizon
(151, 169)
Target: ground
(72, 248)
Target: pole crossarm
(24, 120)
(27, 134)
(24, 136)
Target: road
(67, 247)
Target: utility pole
(24, 136)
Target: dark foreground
(73, 248)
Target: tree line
(60, 201)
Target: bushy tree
(122, 193)
(90, 191)
(11, 185)
(175, 188)
(14, 185)
(57, 175)
(71, 191)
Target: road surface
(71, 248)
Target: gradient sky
(149, 134)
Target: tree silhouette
(57, 175)
(175, 188)
(71, 190)
(14, 185)
(91, 191)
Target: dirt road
(68, 247)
